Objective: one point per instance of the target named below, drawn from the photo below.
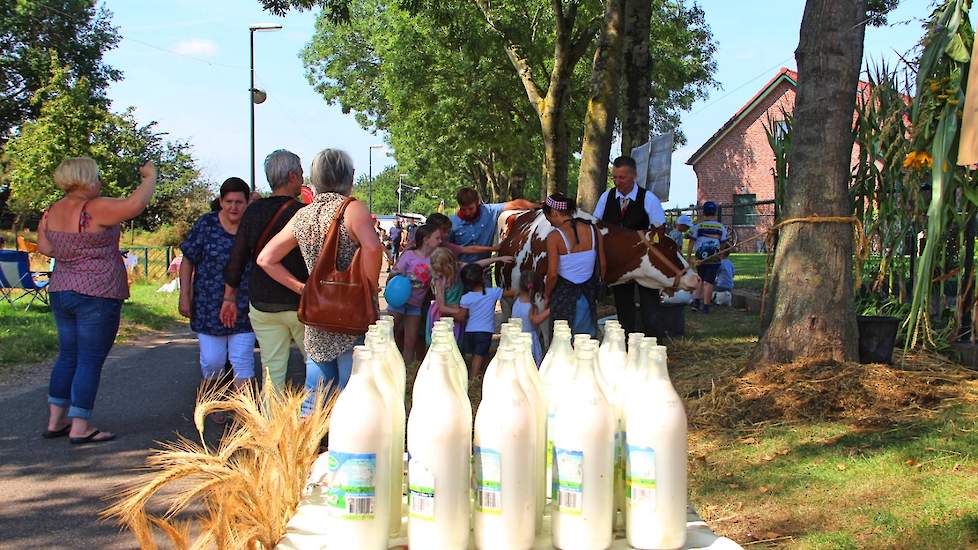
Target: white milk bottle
(459, 371)
(530, 382)
(439, 437)
(386, 322)
(583, 440)
(503, 458)
(655, 432)
(506, 334)
(554, 374)
(358, 491)
(395, 405)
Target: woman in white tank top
(575, 266)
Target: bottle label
(619, 455)
(421, 491)
(570, 479)
(352, 491)
(640, 479)
(489, 481)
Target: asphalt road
(51, 492)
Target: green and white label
(640, 478)
(352, 488)
(421, 491)
(570, 480)
(488, 481)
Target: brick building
(734, 168)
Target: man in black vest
(630, 206)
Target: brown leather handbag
(334, 300)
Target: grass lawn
(749, 271)
(30, 336)
(825, 484)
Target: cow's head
(649, 258)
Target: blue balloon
(397, 291)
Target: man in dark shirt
(630, 206)
(273, 310)
(395, 237)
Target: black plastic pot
(672, 319)
(877, 336)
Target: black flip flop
(90, 438)
(48, 434)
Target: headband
(556, 205)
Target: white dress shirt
(653, 206)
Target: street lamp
(400, 184)
(370, 175)
(255, 95)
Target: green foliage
(424, 201)
(779, 138)
(75, 31)
(71, 124)
(941, 85)
(446, 96)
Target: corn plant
(779, 138)
(935, 120)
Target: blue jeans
(87, 327)
(582, 322)
(320, 374)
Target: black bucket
(877, 336)
(671, 319)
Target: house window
(780, 129)
(745, 209)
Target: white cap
(685, 220)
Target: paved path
(50, 491)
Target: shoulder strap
(564, 237)
(594, 237)
(264, 238)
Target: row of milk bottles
(598, 430)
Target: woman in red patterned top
(81, 231)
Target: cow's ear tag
(655, 238)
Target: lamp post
(255, 95)
(370, 175)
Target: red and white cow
(649, 258)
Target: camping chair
(16, 274)
(23, 244)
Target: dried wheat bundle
(241, 494)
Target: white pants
(238, 348)
(723, 298)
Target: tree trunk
(638, 71)
(811, 293)
(599, 123)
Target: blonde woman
(81, 231)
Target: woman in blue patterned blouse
(205, 253)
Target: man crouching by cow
(629, 206)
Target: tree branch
(519, 61)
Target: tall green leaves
(778, 133)
(941, 84)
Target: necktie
(624, 204)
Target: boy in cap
(678, 233)
(706, 237)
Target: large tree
(71, 124)
(810, 312)
(77, 31)
(441, 89)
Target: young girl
(415, 264)
(447, 288)
(531, 286)
(481, 324)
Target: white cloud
(196, 47)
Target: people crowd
(246, 263)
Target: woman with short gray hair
(273, 307)
(330, 354)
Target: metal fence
(746, 222)
(149, 263)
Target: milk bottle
(358, 491)
(439, 435)
(529, 380)
(382, 370)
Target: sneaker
(695, 306)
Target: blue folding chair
(16, 274)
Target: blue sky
(185, 65)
